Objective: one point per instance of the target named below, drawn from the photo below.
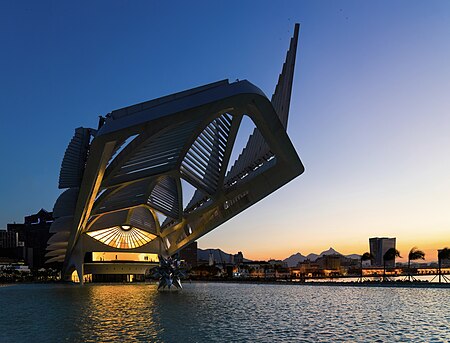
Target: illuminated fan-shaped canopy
(138, 217)
(123, 237)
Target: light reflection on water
(119, 313)
(214, 312)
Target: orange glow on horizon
(431, 251)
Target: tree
(389, 255)
(414, 254)
(443, 254)
(365, 257)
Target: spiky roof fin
(281, 98)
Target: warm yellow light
(74, 277)
(126, 237)
(123, 256)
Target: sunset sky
(370, 110)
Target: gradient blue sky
(370, 111)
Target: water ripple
(214, 312)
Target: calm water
(213, 312)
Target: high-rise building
(9, 250)
(8, 239)
(32, 237)
(445, 262)
(378, 247)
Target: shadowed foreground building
(31, 238)
(123, 205)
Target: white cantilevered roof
(121, 176)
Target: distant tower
(211, 258)
(445, 261)
(378, 247)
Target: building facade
(378, 247)
(9, 250)
(8, 239)
(32, 236)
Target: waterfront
(219, 312)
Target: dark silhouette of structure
(32, 237)
(378, 248)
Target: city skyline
(430, 255)
(369, 112)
